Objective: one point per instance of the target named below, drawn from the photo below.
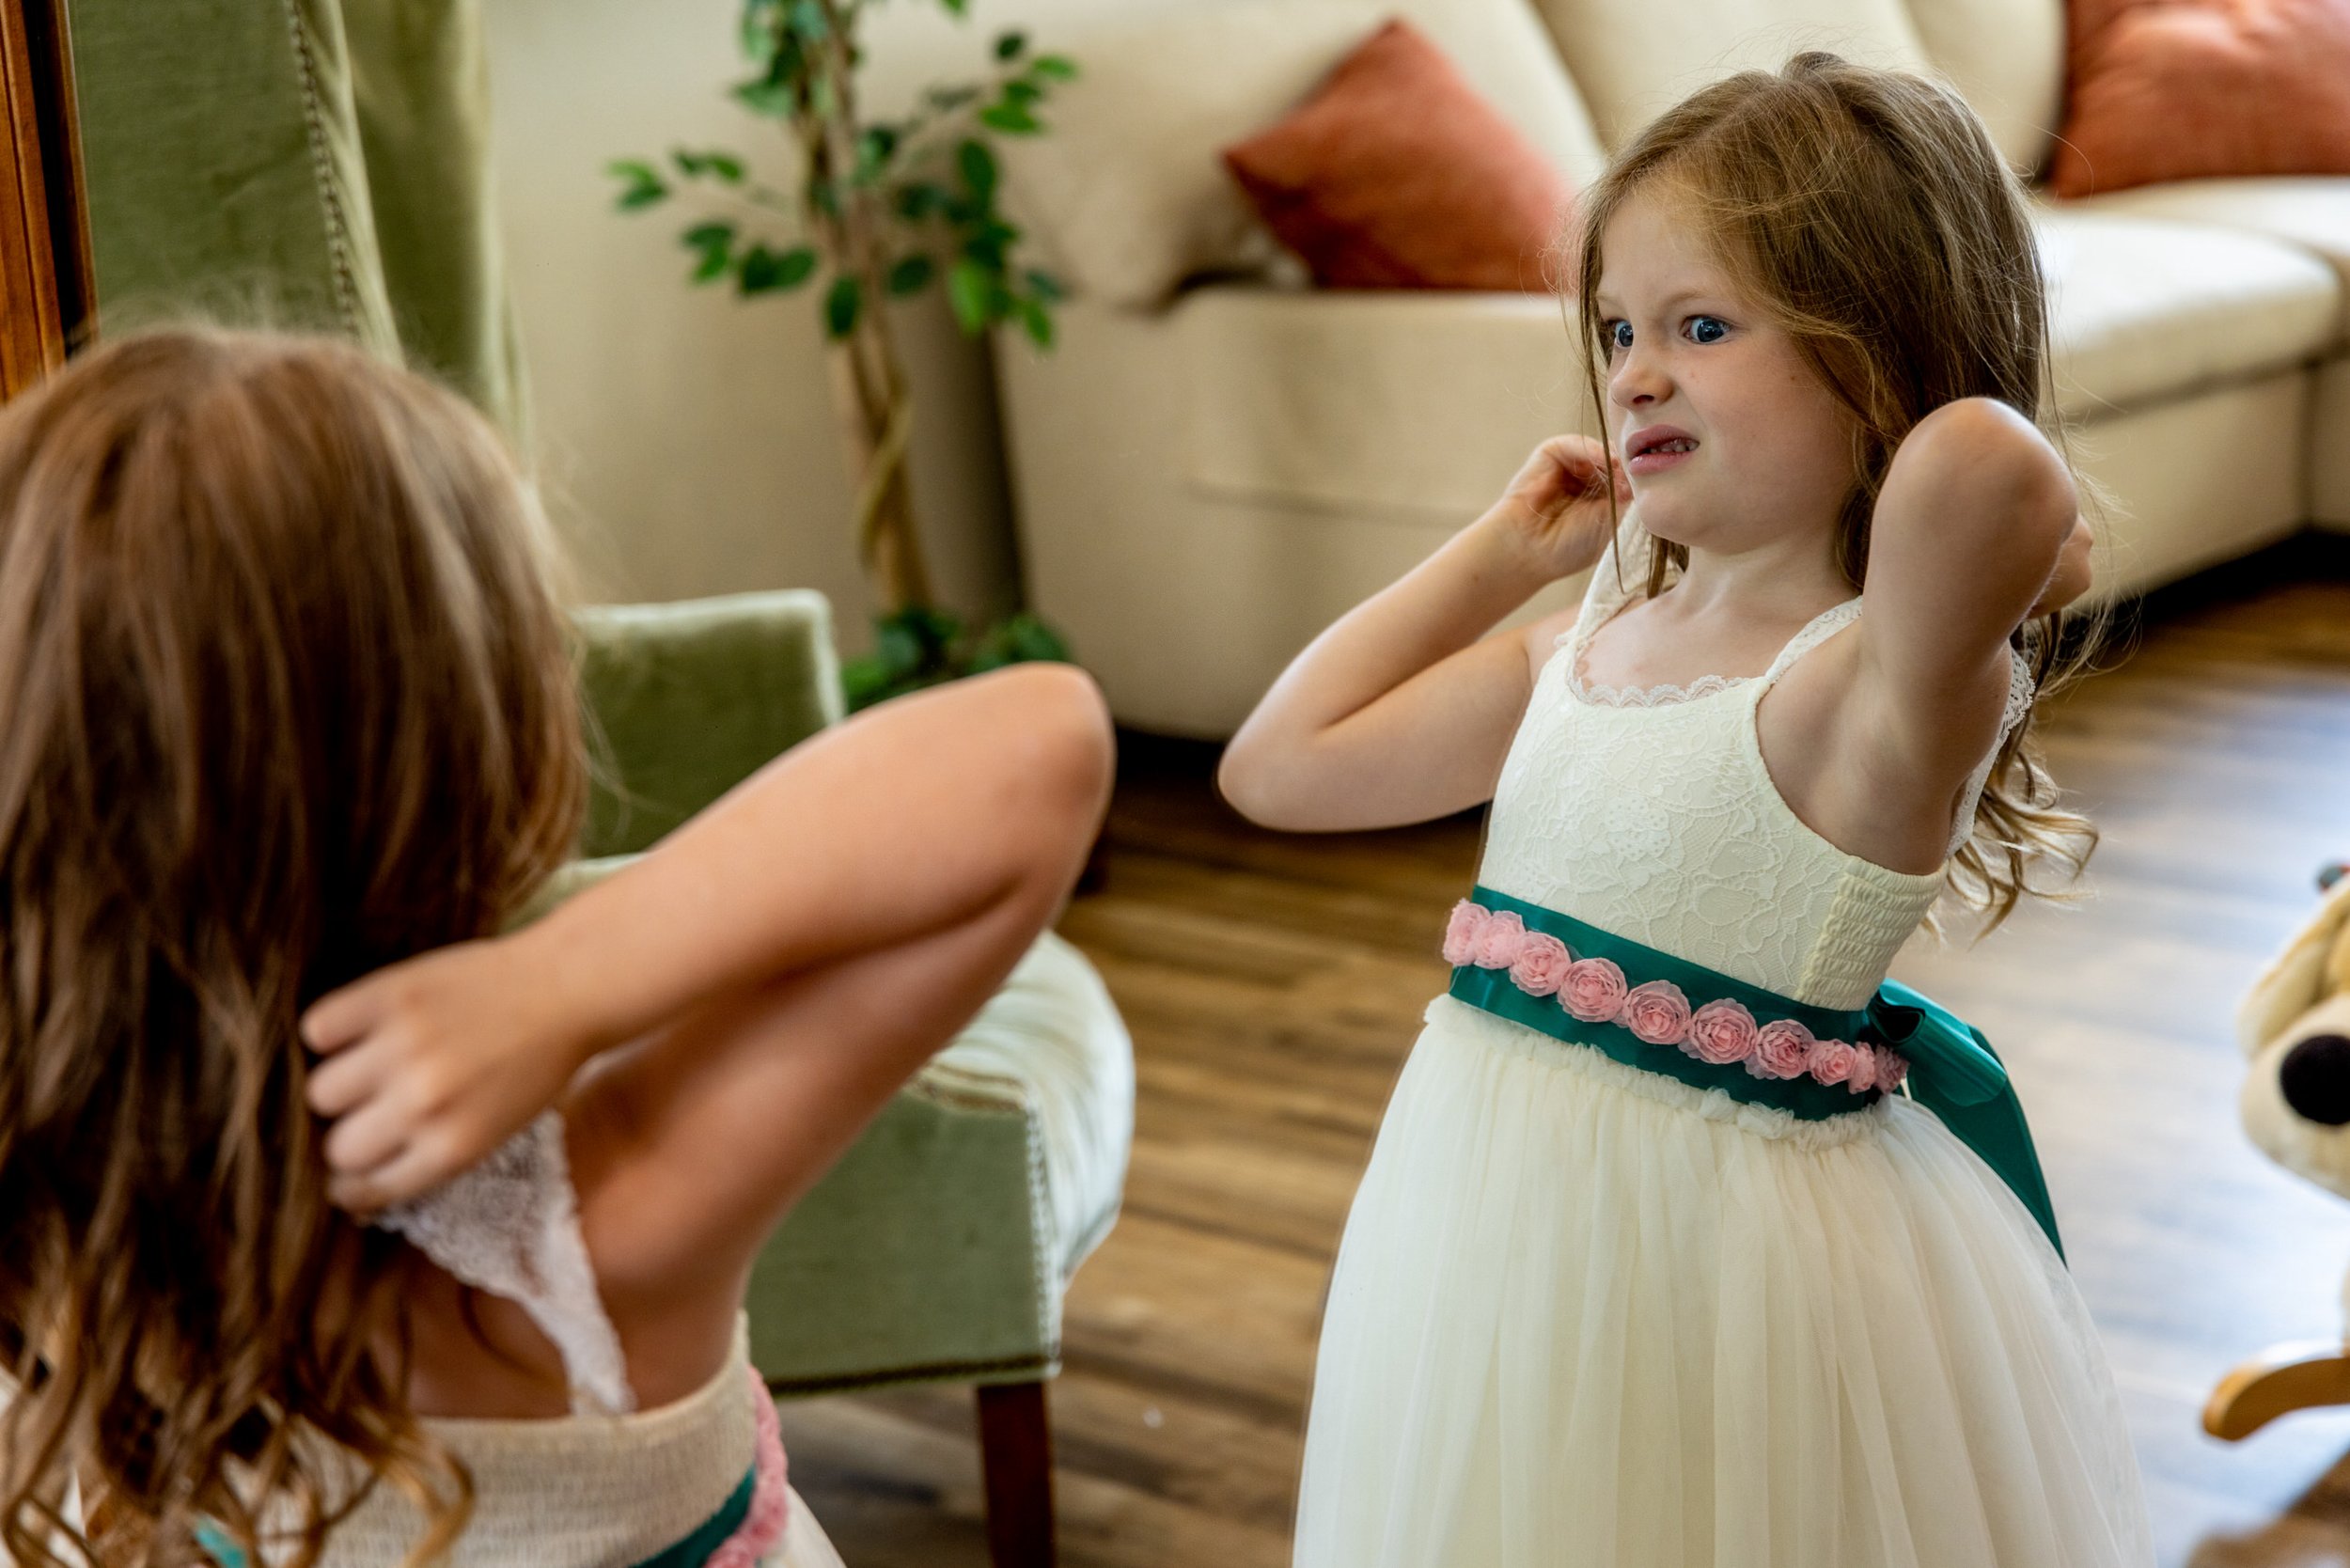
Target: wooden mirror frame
(45, 283)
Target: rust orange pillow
(1396, 174)
(2172, 90)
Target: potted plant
(885, 209)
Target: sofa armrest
(688, 699)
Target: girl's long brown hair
(287, 698)
(1869, 212)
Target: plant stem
(868, 382)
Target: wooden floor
(1273, 985)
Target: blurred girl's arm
(946, 827)
(1402, 710)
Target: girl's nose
(1636, 381)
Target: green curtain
(320, 165)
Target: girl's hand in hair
(1555, 513)
(2072, 576)
(430, 1063)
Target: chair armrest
(688, 699)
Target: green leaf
(911, 274)
(971, 290)
(715, 241)
(1018, 638)
(806, 18)
(842, 305)
(977, 167)
(1044, 286)
(1010, 45)
(635, 170)
(765, 271)
(955, 7)
(1059, 67)
(950, 97)
(637, 196)
(1022, 92)
(764, 97)
(875, 146)
(918, 200)
(1011, 119)
(1040, 325)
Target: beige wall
(687, 437)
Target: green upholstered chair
(939, 1249)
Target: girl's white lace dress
(610, 1486)
(1589, 1315)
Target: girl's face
(1731, 439)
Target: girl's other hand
(430, 1063)
(1555, 513)
(2073, 573)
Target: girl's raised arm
(746, 995)
(1402, 710)
(1977, 515)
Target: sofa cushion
(2142, 309)
(1396, 174)
(1126, 195)
(2006, 57)
(1631, 69)
(2309, 210)
(2162, 89)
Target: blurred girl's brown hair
(287, 698)
(1868, 211)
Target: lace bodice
(1651, 813)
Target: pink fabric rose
(1593, 990)
(1721, 1033)
(1893, 1070)
(1542, 965)
(1498, 943)
(1832, 1060)
(1462, 930)
(1782, 1049)
(1656, 1012)
(1864, 1070)
(763, 1529)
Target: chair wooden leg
(1016, 1461)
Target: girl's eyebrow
(1604, 300)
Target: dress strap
(1816, 631)
(2021, 689)
(1619, 578)
(510, 1225)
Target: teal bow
(1954, 1073)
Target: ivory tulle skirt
(804, 1545)
(1588, 1315)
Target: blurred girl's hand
(1555, 513)
(430, 1063)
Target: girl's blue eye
(1707, 329)
(1619, 334)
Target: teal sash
(1953, 1072)
(692, 1552)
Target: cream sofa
(1206, 472)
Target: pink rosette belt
(1653, 1010)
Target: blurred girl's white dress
(1588, 1314)
(701, 1479)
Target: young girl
(292, 732)
(1653, 1265)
